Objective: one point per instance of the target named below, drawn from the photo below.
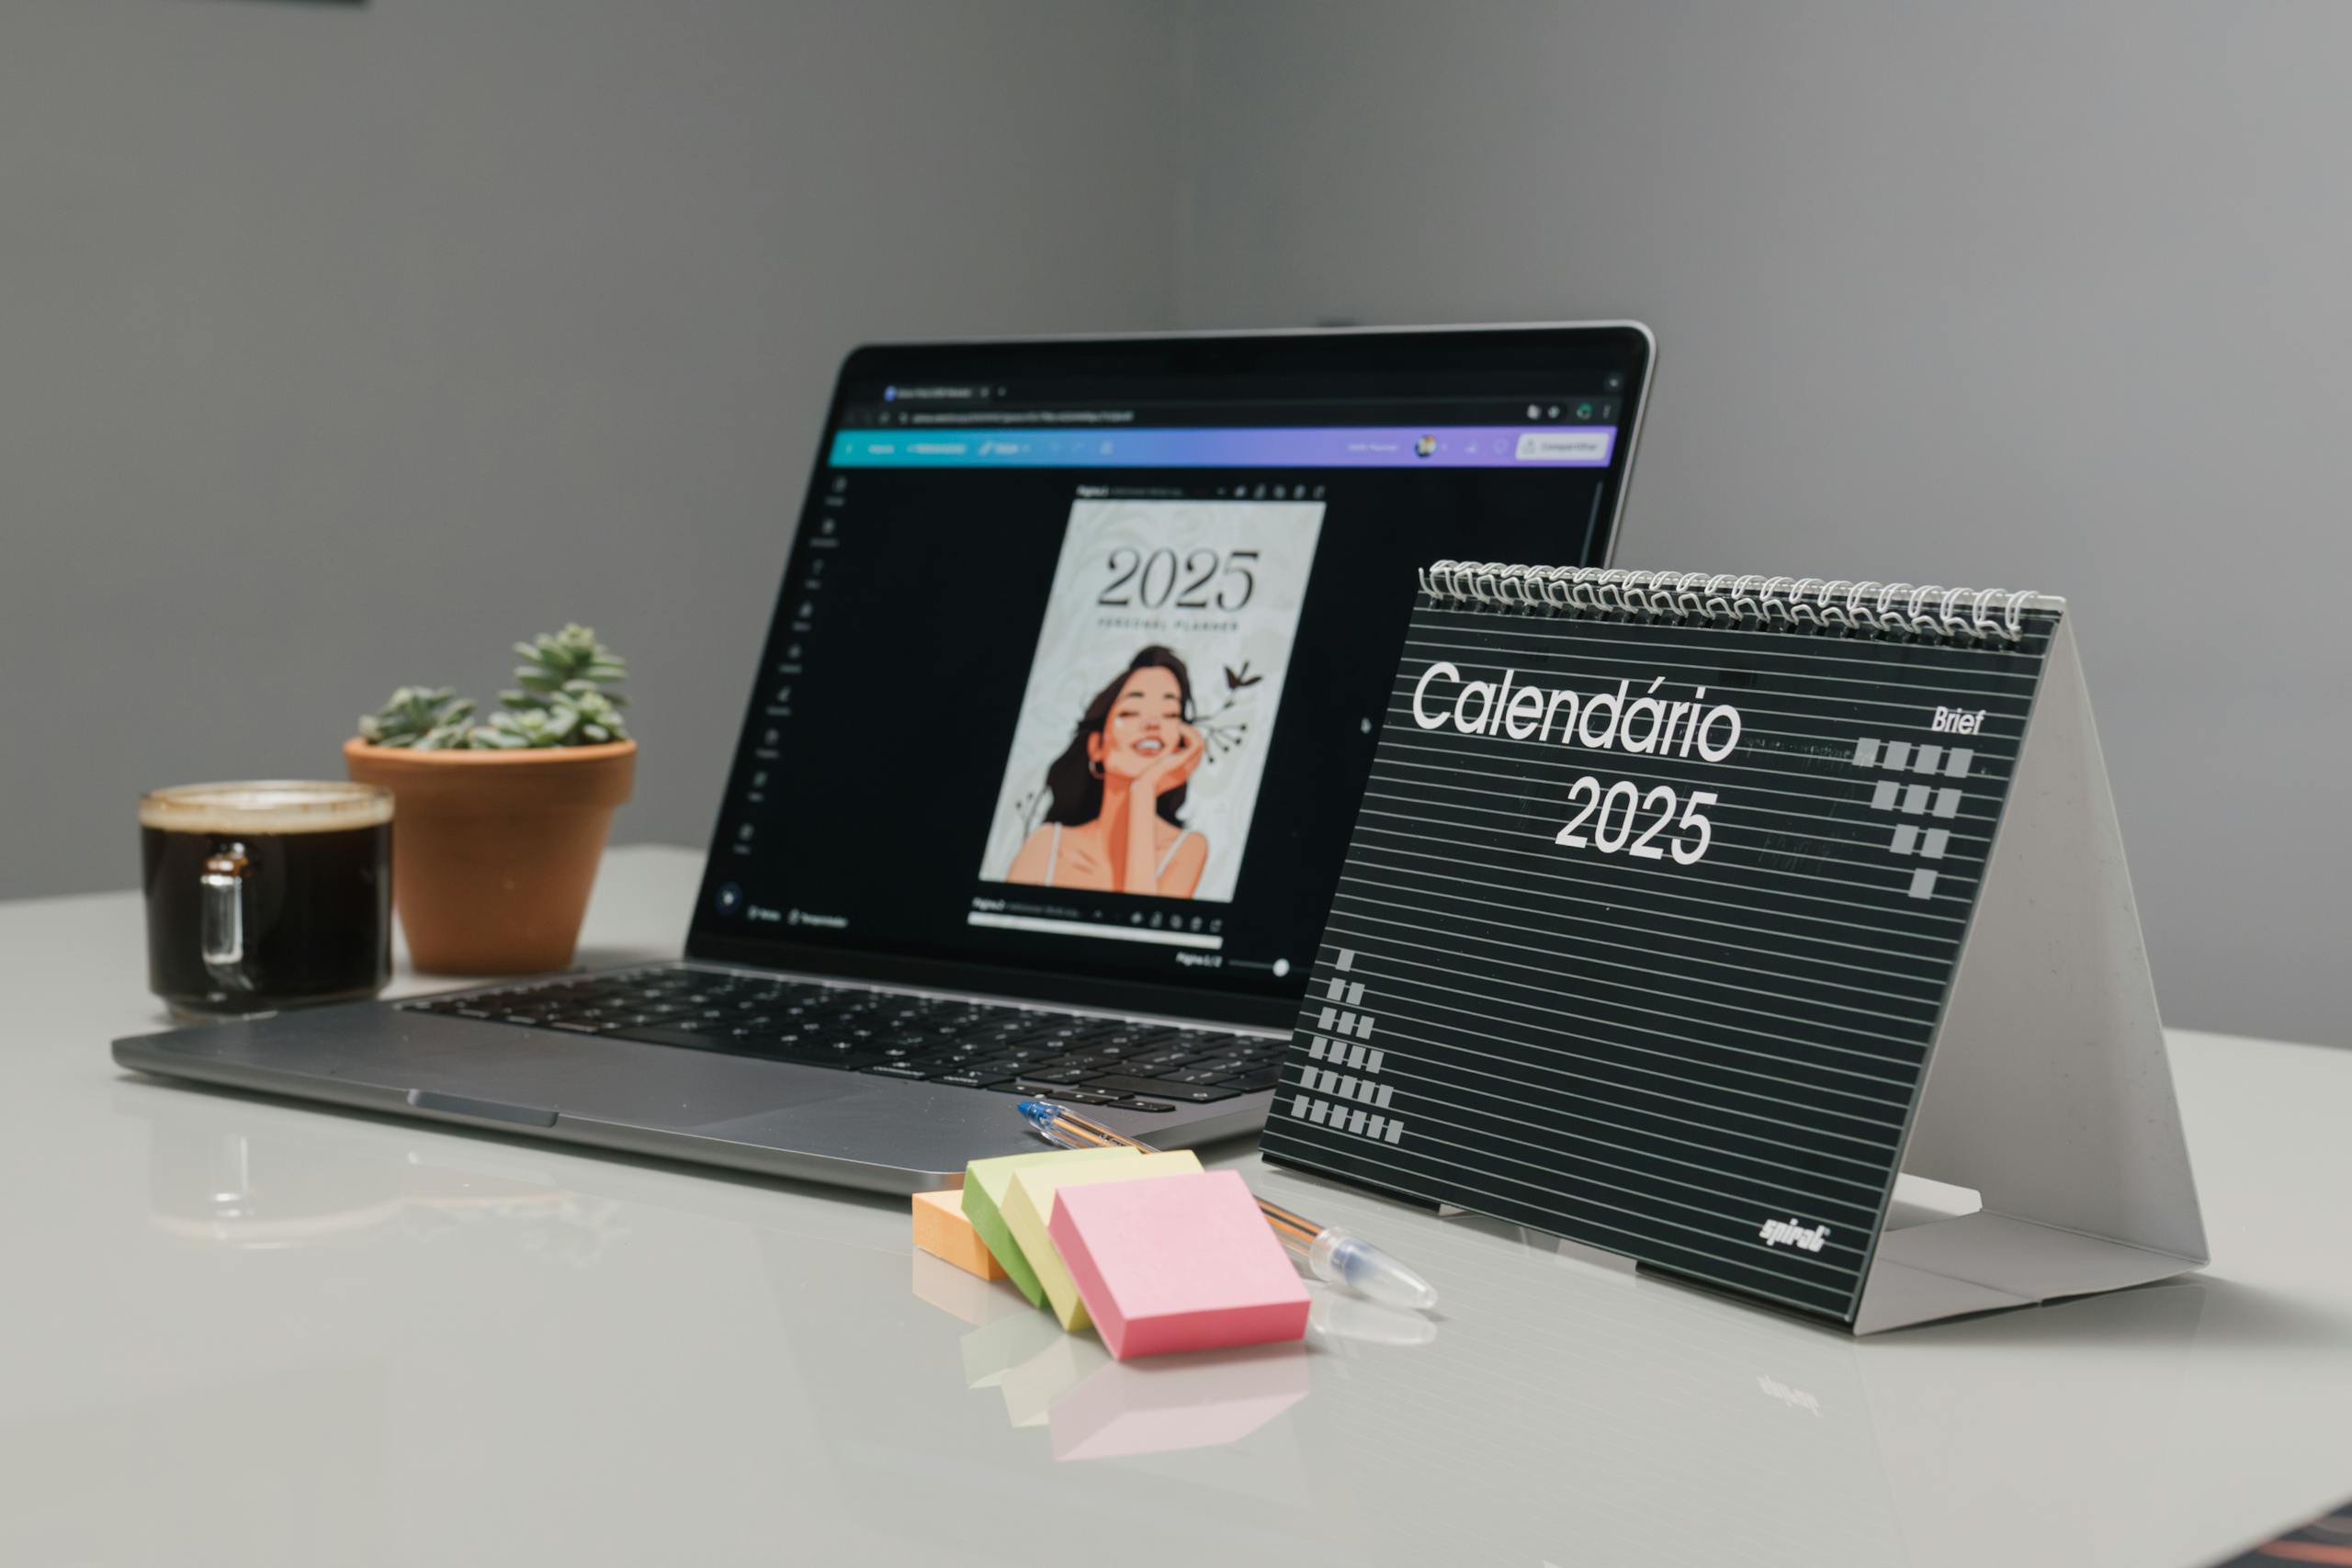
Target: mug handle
(223, 917)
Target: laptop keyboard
(1072, 1057)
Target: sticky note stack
(1158, 1254)
(1177, 1262)
(988, 1182)
(1030, 1207)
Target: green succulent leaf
(451, 736)
(412, 714)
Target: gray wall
(340, 348)
(2017, 293)
(336, 349)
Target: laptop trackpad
(909, 1123)
(618, 1082)
(774, 1107)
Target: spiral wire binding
(1965, 614)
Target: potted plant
(498, 827)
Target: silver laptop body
(1365, 452)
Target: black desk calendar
(1683, 911)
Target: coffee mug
(266, 894)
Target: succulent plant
(420, 718)
(562, 679)
(562, 699)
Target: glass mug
(266, 895)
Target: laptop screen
(1073, 687)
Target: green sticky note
(1030, 1204)
(985, 1182)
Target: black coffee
(262, 896)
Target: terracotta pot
(493, 852)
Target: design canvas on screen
(1151, 699)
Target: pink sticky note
(1177, 1263)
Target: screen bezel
(1304, 351)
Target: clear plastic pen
(1330, 1254)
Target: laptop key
(964, 1077)
(1149, 1067)
(1207, 1072)
(1213, 1045)
(1250, 1082)
(671, 1034)
(1070, 1094)
(1182, 1093)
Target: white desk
(238, 1331)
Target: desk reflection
(1163, 1403)
(797, 1332)
(216, 1184)
(1094, 1407)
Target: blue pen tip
(1038, 1111)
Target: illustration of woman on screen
(1116, 823)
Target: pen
(1331, 1254)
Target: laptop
(1053, 751)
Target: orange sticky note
(941, 1230)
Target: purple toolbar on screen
(1454, 447)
